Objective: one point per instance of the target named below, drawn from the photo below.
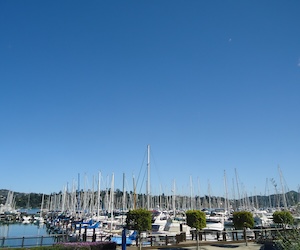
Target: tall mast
(226, 206)
(238, 190)
(79, 201)
(124, 195)
(173, 199)
(191, 193)
(200, 206)
(148, 177)
(233, 193)
(134, 193)
(209, 198)
(98, 196)
(123, 199)
(283, 189)
(92, 196)
(112, 201)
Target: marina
(93, 223)
(44, 226)
(96, 215)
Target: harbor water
(20, 234)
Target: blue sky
(212, 86)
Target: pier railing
(258, 235)
(31, 241)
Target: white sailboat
(40, 219)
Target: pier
(151, 241)
(31, 241)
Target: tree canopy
(283, 217)
(196, 219)
(139, 220)
(243, 219)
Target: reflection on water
(22, 229)
(14, 232)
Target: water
(20, 230)
(11, 235)
(30, 211)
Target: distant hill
(22, 200)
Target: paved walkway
(205, 246)
(238, 246)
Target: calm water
(11, 235)
(29, 211)
(20, 230)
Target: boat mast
(199, 202)
(42, 205)
(173, 199)
(148, 177)
(233, 193)
(78, 192)
(112, 202)
(134, 193)
(191, 193)
(123, 199)
(209, 198)
(226, 205)
(98, 196)
(283, 189)
(238, 190)
(124, 195)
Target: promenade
(204, 246)
(218, 246)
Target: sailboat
(27, 218)
(40, 219)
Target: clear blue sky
(212, 86)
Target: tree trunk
(140, 241)
(197, 232)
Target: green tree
(196, 219)
(287, 239)
(283, 218)
(243, 219)
(139, 220)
